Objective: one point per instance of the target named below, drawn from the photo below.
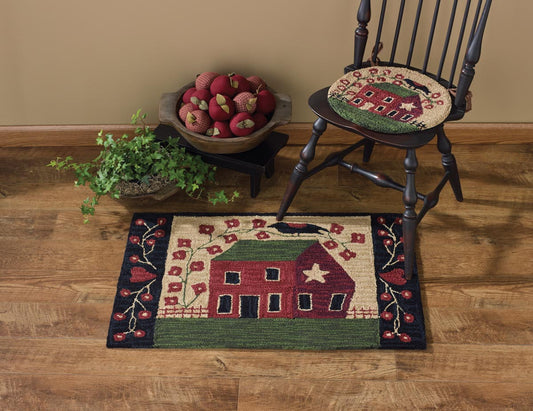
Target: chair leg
(300, 171)
(367, 150)
(409, 215)
(449, 163)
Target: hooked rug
(309, 282)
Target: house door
(249, 306)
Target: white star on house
(315, 273)
(407, 106)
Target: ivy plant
(138, 159)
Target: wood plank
(356, 394)
(29, 319)
(118, 392)
(85, 135)
(468, 362)
(76, 256)
(509, 291)
(452, 325)
(46, 286)
(348, 394)
(85, 356)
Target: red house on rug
(388, 100)
(278, 279)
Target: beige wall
(95, 62)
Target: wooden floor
(58, 279)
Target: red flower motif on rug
(175, 287)
(199, 288)
(358, 238)
(232, 223)
(184, 242)
(179, 255)
(259, 223)
(262, 235)
(175, 270)
(206, 229)
(214, 249)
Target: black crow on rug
(298, 228)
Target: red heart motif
(395, 277)
(140, 275)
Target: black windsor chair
(455, 26)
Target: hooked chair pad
(392, 100)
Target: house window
(380, 108)
(392, 113)
(272, 274)
(369, 93)
(232, 277)
(224, 304)
(337, 301)
(388, 99)
(407, 117)
(274, 303)
(358, 100)
(305, 302)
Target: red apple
(256, 84)
(241, 83)
(221, 107)
(187, 95)
(219, 129)
(184, 110)
(223, 85)
(198, 121)
(204, 80)
(242, 124)
(245, 102)
(266, 102)
(260, 120)
(200, 98)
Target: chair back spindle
(361, 33)
(376, 48)
(413, 34)
(447, 40)
(430, 38)
(459, 43)
(397, 31)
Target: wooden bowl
(168, 115)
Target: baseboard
(61, 135)
(85, 135)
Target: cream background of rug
(360, 269)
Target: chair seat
(391, 100)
